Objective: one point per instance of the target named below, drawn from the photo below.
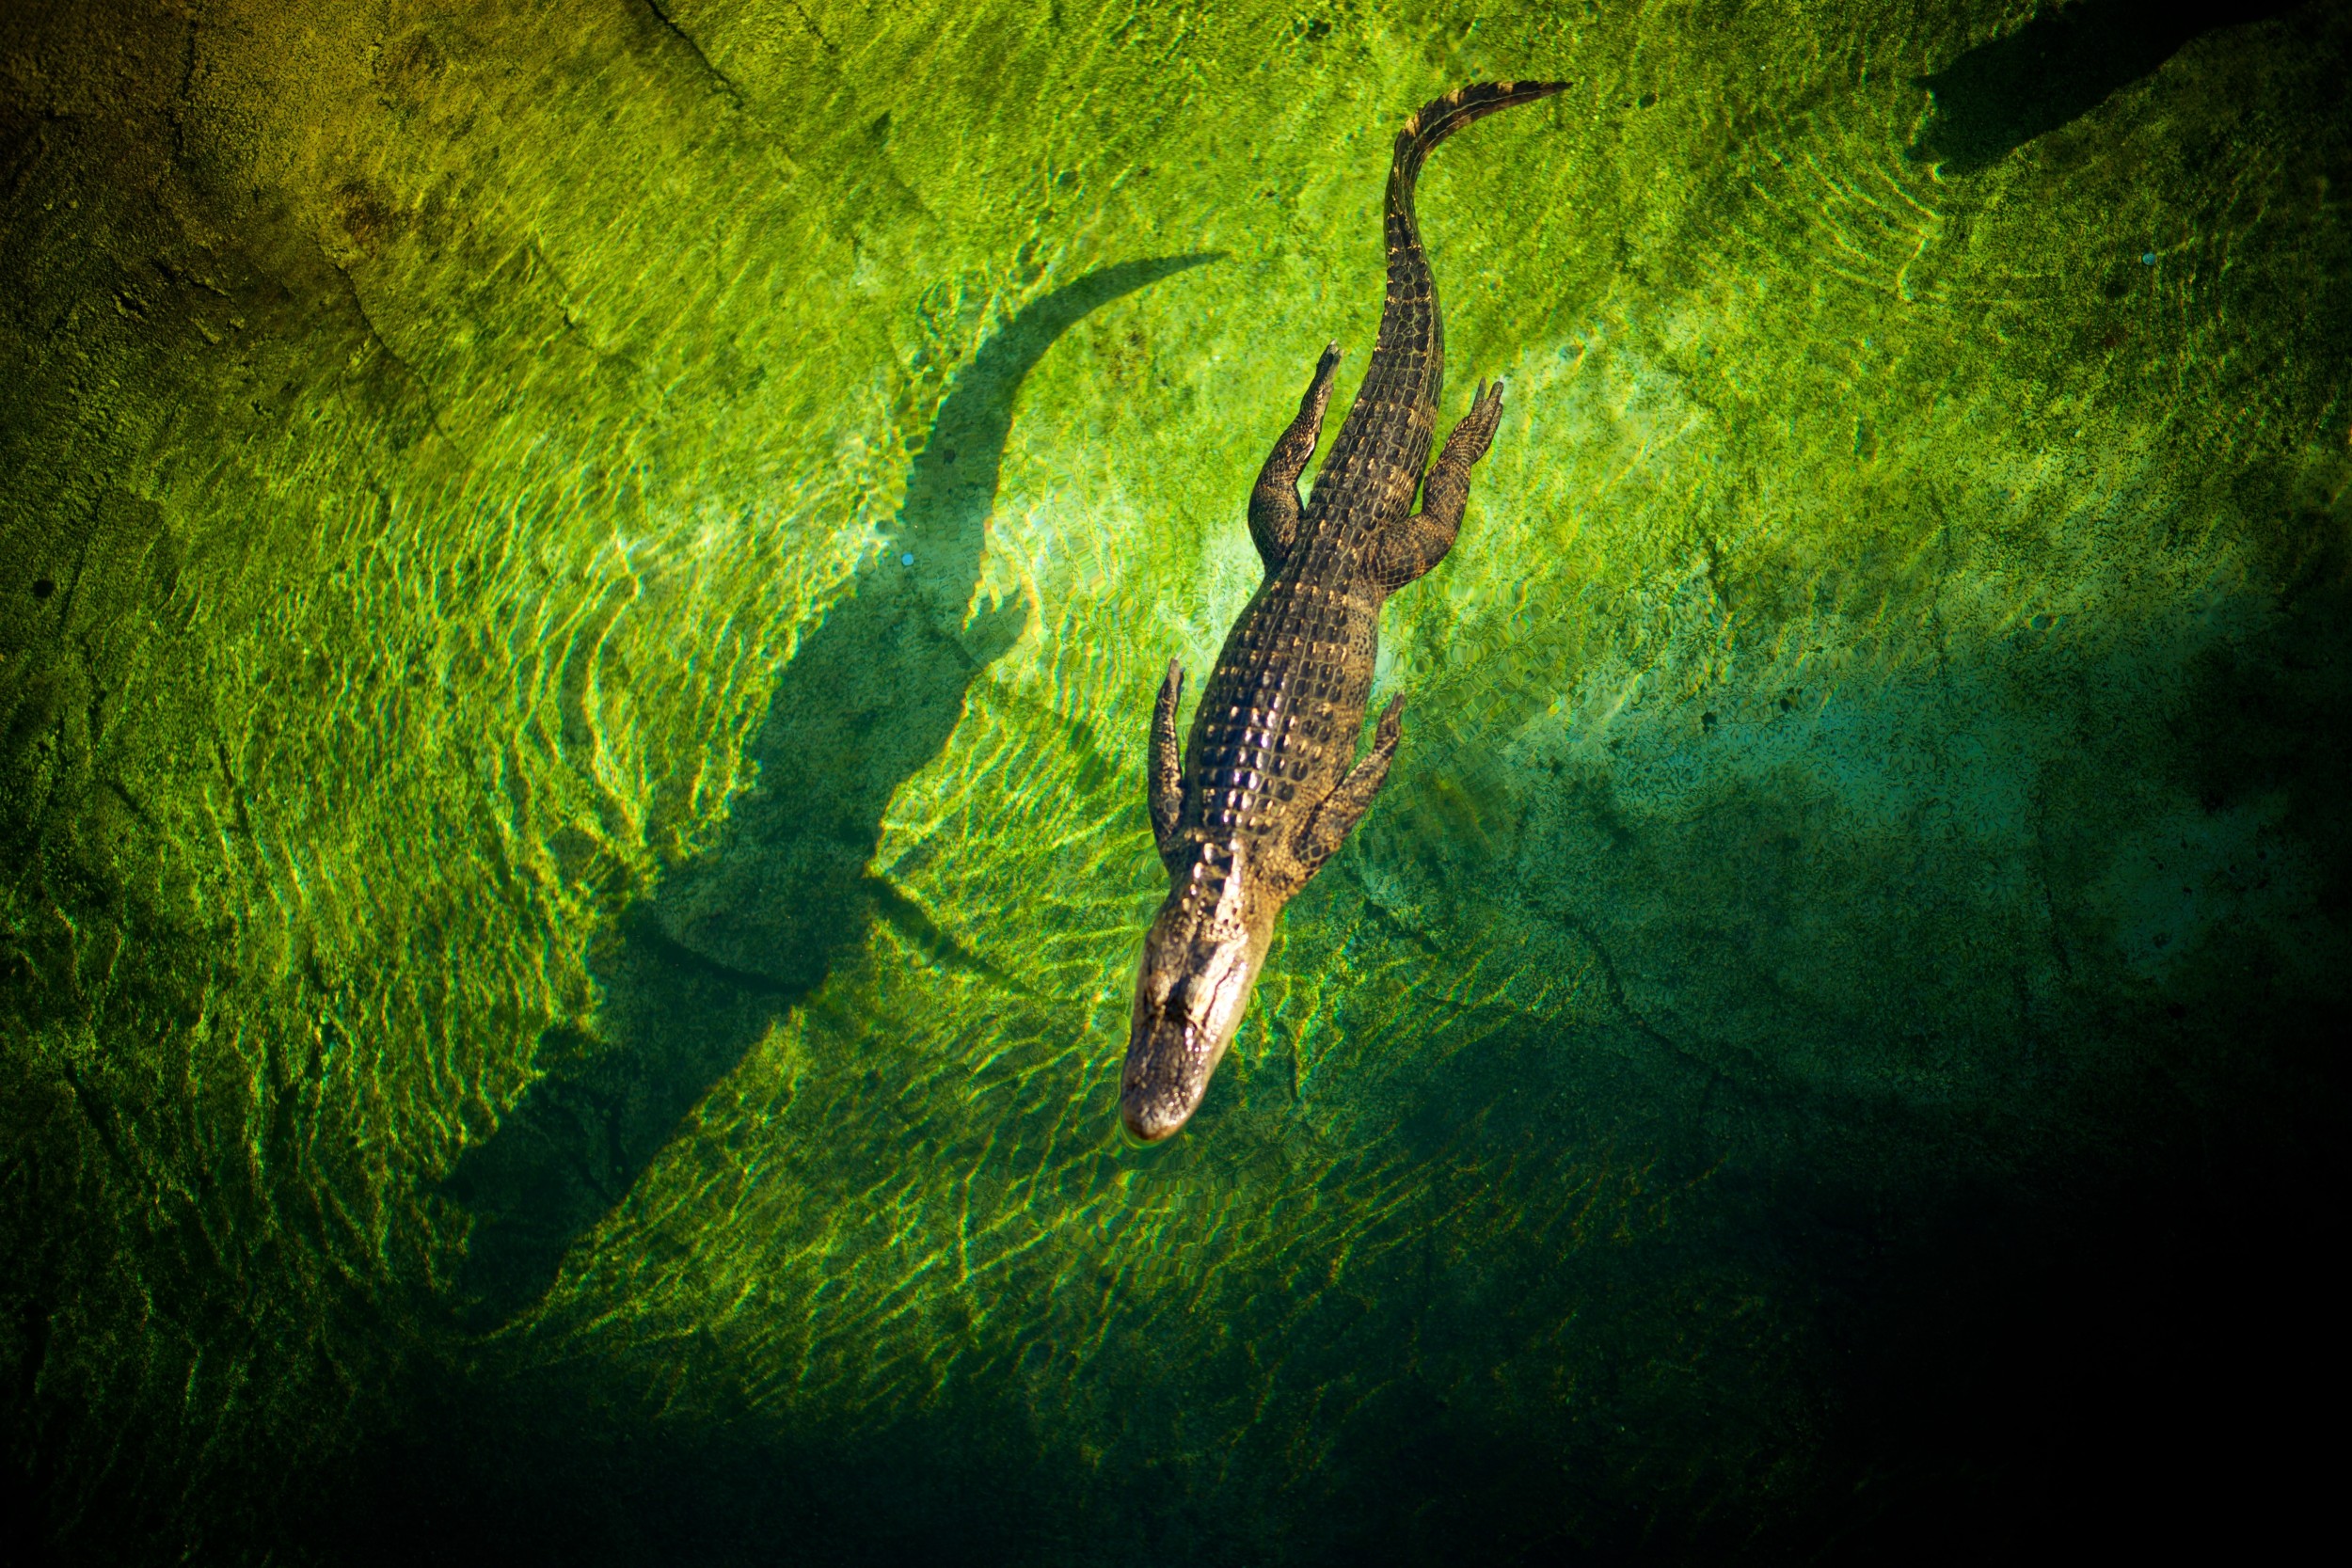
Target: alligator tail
(1439, 119)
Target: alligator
(1269, 782)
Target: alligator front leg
(1168, 767)
(1421, 540)
(1274, 504)
(1341, 810)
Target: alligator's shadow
(2059, 66)
(694, 975)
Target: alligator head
(1201, 958)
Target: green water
(582, 596)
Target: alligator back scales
(1268, 783)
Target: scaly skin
(1270, 783)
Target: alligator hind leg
(1168, 767)
(1274, 501)
(1421, 540)
(1341, 810)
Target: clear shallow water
(565, 996)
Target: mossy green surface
(1847, 945)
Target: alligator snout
(1189, 1001)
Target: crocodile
(1270, 780)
